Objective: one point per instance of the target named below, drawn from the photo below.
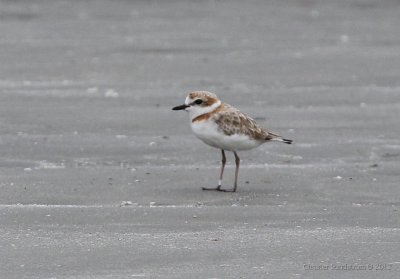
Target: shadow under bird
(225, 127)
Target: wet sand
(100, 179)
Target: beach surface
(99, 178)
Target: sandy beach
(99, 178)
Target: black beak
(180, 107)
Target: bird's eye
(198, 101)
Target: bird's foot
(218, 188)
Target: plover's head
(199, 102)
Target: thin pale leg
(221, 174)
(237, 161)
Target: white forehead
(188, 100)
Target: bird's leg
(237, 161)
(221, 174)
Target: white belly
(208, 132)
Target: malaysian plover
(225, 127)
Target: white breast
(208, 132)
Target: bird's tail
(275, 137)
(288, 141)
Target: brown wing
(231, 121)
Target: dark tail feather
(288, 141)
(275, 137)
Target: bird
(223, 126)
